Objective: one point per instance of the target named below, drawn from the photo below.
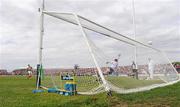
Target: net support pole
(41, 33)
(92, 54)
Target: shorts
(111, 70)
(134, 70)
(29, 72)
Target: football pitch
(16, 91)
(86, 83)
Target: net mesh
(64, 47)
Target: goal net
(99, 59)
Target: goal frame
(107, 88)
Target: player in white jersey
(113, 67)
(151, 68)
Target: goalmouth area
(89, 50)
(16, 91)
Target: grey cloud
(154, 19)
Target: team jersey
(114, 64)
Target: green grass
(128, 82)
(85, 83)
(16, 91)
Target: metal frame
(42, 12)
(116, 38)
(92, 54)
(50, 13)
(41, 28)
(134, 30)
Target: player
(113, 67)
(29, 70)
(150, 68)
(135, 69)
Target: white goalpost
(99, 45)
(92, 54)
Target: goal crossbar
(120, 37)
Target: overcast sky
(156, 20)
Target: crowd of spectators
(3, 72)
(124, 70)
